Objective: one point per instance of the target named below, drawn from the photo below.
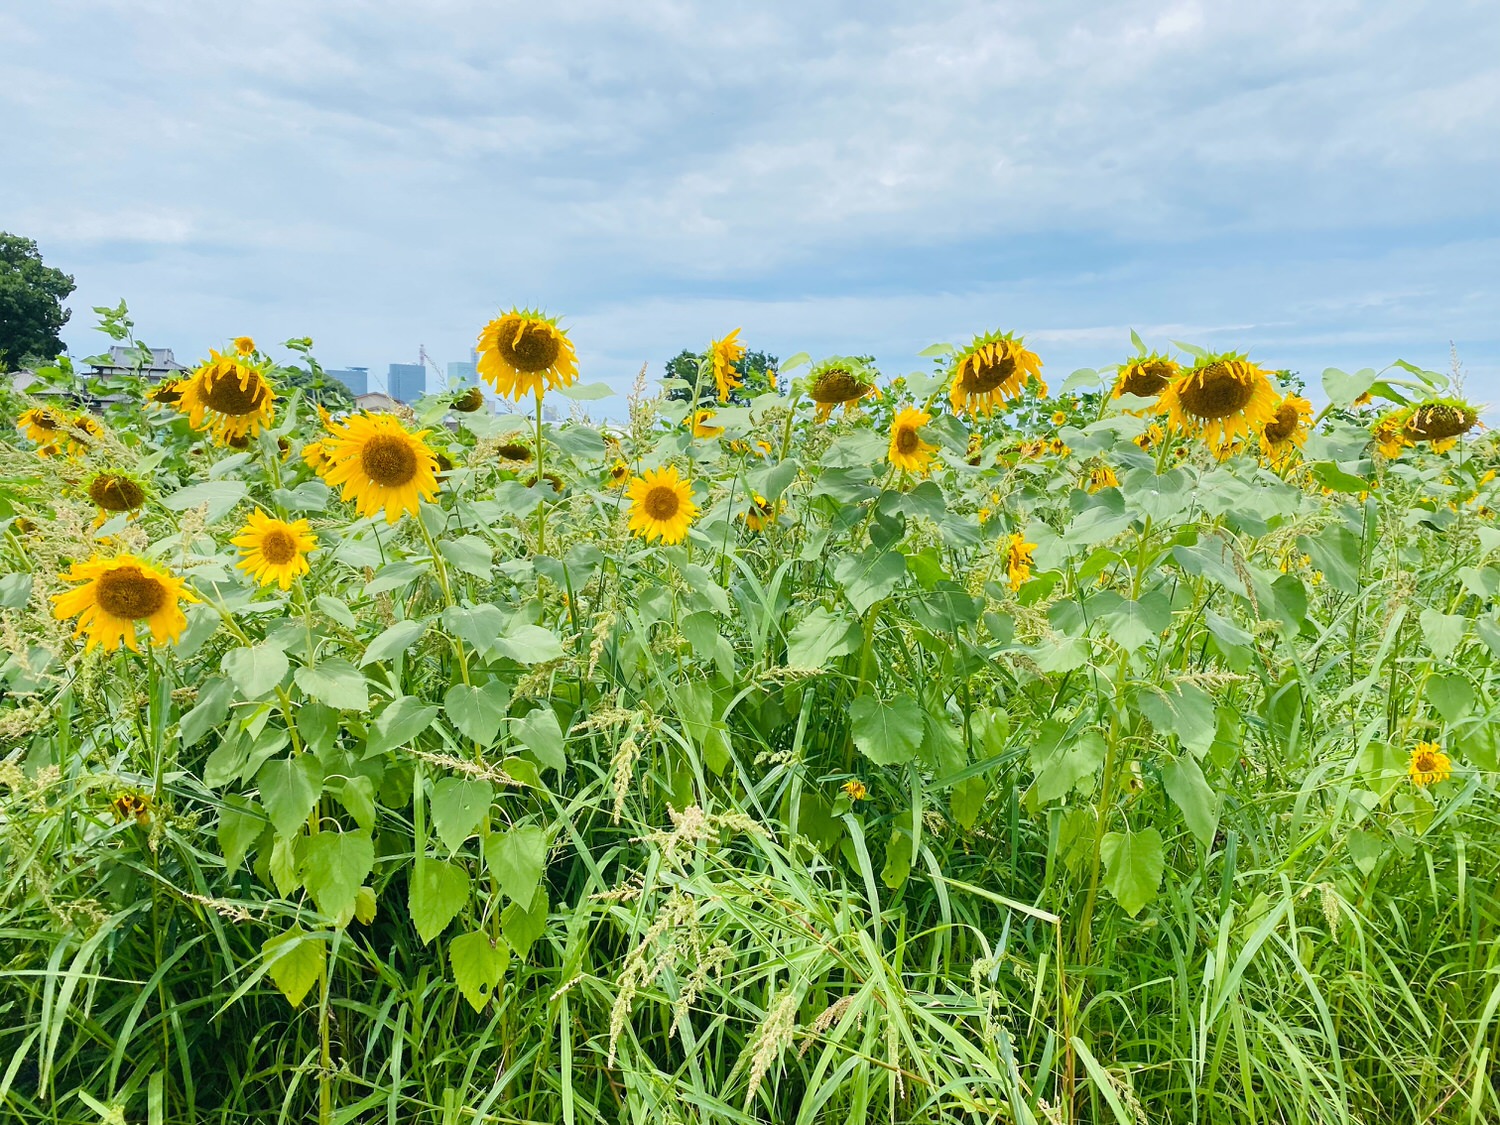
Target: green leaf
(294, 961)
(898, 851)
(210, 710)
(289, 788)
(967, 800)
(1331, 476)
(819, 637)
(459, 804)
(256, 670)
(517, 858)
(241, 823)
(478, 965)
(1133, 866)
(1451, 696)
(336, 611)
(438, 891)
(478, 626)
(470, 554)
(1443, 631)
(529, 644)
(477, 712)
(1343, 388)
(396, 639)
(1187, 712)
(540, 732)
(1336, 552)
(335, 682)
(398, 724)
(1134, 624)
(220, 496)
(586, 392)
(522, 924)
(1063, 761)
(1185, 784)
(888, 732)
(334, 864)
(869, 576)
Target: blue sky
(1317, 182)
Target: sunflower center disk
(388, 461)
(511, 451)
(225, 395)
(837, 386)
(1146, 381)
(907, 440)
(983, 377)
(1282, 427)
(278, 547)
(1215, 392)
(129, 593)
(529, 348)
(662, 503)
(116, 494)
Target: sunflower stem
(541, 507)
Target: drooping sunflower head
(619, 473)
(166, 393)
(1102, 477)
(550, 479)
(1439, 420)
(661, 505)
(839, 381)
(468, 400)
(44, 426)
(513, 451)
(274, 551)
(116, 492)
(1389, 432)
(523, 352)
(1221, 400)
(228, 398)
(724, 355)
(1145, 376)
(112, 597)
(382, 467)
(1152, 436)
(994, 370)
(1287, 430)
(244, 345)
(83, 431)
(761, 513)
(703, 427)
(1429, 765)
(1018, 560)
(908, 452)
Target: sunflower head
(1102, 477)
(1389, 432)
(991, 372)
(116, 492)
(523, 352)
(83, 431)
(228, 398)
(1439, 420)
(839, 381)
(703, 426)
(44, 426)
(1018, 560)
(619, 473)
(856, 789)
(1222, 400)
(1429, 765)
(382, 467)
(468, 400)
(551, 480)
(724, 355)
(244, 345)
(908, 451)
(762, 513)
(112, 597)
(1287, 430)
(315, 455)
(1145, 376)
(132, 805)
(661, 505)
(274, 551)
(513, 451)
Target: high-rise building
(357, 379)
(406, 382)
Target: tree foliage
(757, 370)
(31, 303)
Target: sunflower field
(938, 748)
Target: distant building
(465, 373)
(376, 403)
(357, 379)
(126, 361)
(406, 382)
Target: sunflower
(1222, 399)
(1287, 430)
(839, 381)
(1439, 421)
(112, 596)
(1429, 765)
(1102, 477)
(522, 352)
(1153, 435)
(132, 805)
(115, 492)
(761, 513)
(468, 401)
(315, 454)
(1145, 376)
(908, 451)
(619, 473)
(702, 427)
(661, 505)
(244, 345)
(856, 789)
(1059, 418)
(228, 398)
(992, 372)
(381, 466)
(1389, 432)
(552, 480)
(1018, 560)
(513, 451)
(83, 430)
(273, 550)
(724, 354)
(44, 426)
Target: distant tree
(316, 386)
(31, 309)
(756, 369)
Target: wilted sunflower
(44, 426)
(513, 451)
(1145, 376)
(132, 805)
(273, 550)
(244, 345)
(382, 467)
(1102, 477)
(522, 352)
(1287, 430)
(552, 480)
(115, 492)
(993, 371)
(702, 425)
(468, 401)
(1221, 400)
(1439, 421)
(839, 381)
(1018, 560)
(1429, 765)
(165, 393)
(661, 505)
(113, 596)
(228, 398)
(723, 355)
(908, 451)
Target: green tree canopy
(756, 369)
(31, 309)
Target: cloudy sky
(1315, 181)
